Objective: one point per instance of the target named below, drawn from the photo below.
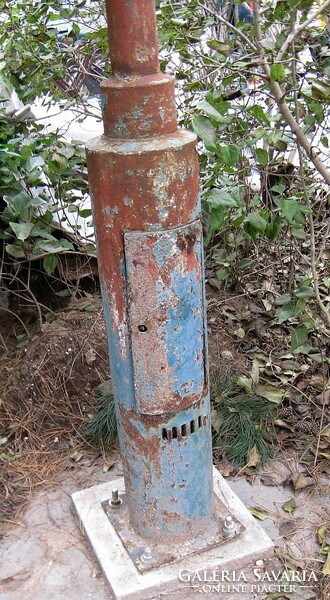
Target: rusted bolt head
(229, 525)
(146, 555)
(115, 501)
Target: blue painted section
(172, 494)
(137, 113)
(164, 248)
(122, 375)
(164, 276)
(191, 480)
(111, 210)
(168, 481)
(184, 335)
(185, 322)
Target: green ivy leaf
(320, 90)
(15, 250)
(47, 246)
(273, 229)
(217, 218)
(21, 230)
(261, 157)
(257, 221)
(281, 300)
(305, 292)
(220, 47)
(289, 208)
(277, 72)
(218, 197)
(286, 312)
(298, 232)
(42, 232)
(205, 130)
(229, 154)
(50, 263)
(33, 162)
(212, 112)
(258, 113)
(85, 212)
(298, 338)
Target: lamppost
(144, 184)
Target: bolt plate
(162, 553)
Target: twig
(34, 299)
(282, 105)
(238, 32)
(3, 341)
(313, 259)
(294, 34)
(323, 412)
(324, 243)
(18, 318)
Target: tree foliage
(256, 93)
(43, 177)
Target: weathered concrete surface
(45, 557)
(128, 584)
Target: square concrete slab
(125, 580)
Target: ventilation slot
(177, 433)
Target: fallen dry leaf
(90, 357)
(289, 506)
(259, 513)
(326, 566)
(300, 481)
(321, 533)
(107, 466)
(76, 455)
(253, 458)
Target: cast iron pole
(144, 185)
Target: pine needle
(101, 430)
(242, 420)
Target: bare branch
(294, 34)
(282, 105)
(238, 32)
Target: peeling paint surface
(139, 107)
(151, 268)
(170, 480)
(136, 23)
(166, 317)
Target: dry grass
(47, 394)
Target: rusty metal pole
(144, 185)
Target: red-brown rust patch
(150, 446)
(139, 107)
(186, 242)
(132, 36)
(171, 517)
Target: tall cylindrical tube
(144, 185)
(132, 36)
